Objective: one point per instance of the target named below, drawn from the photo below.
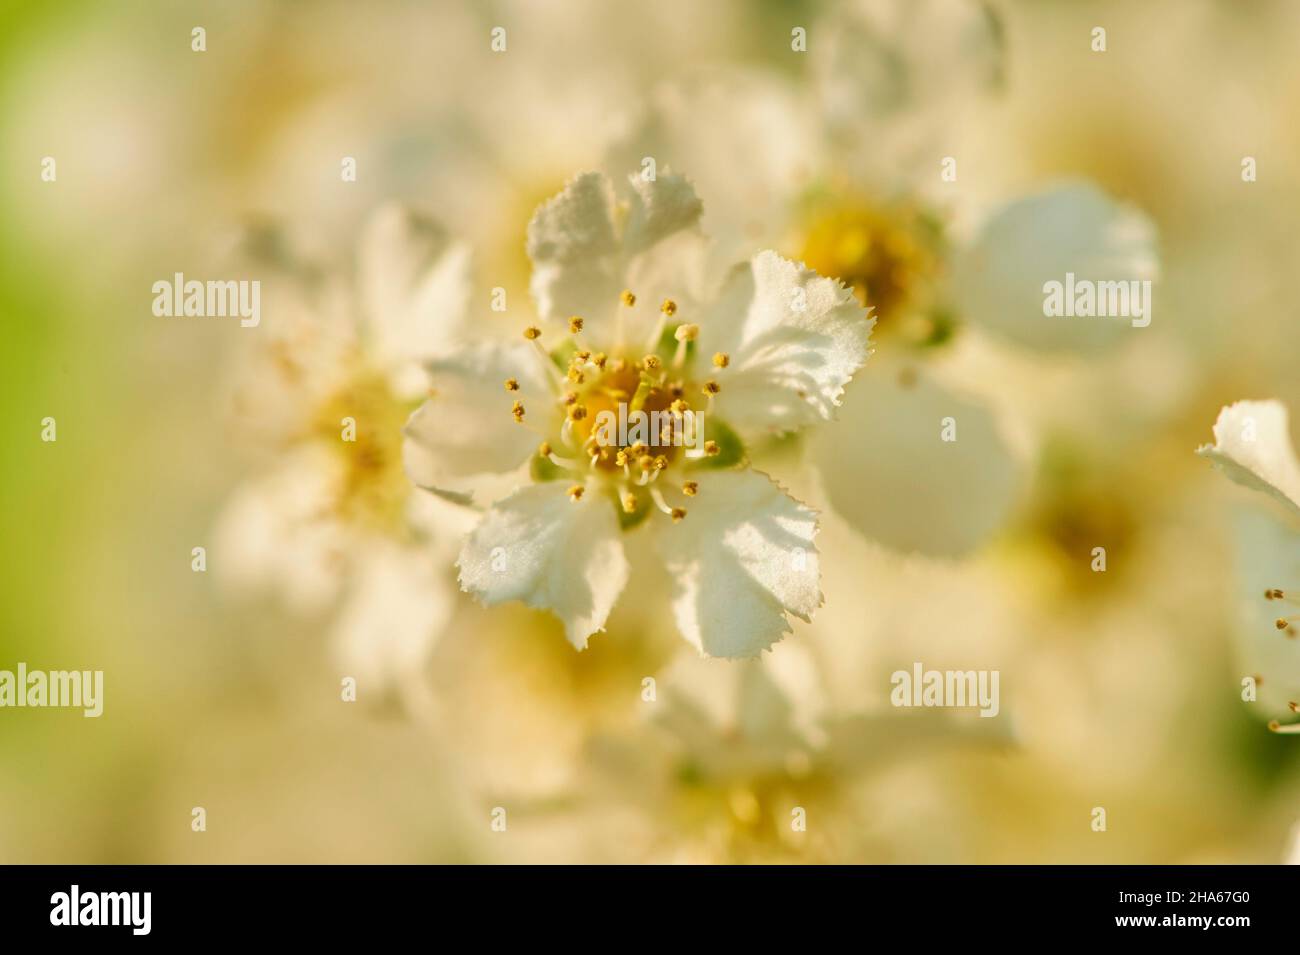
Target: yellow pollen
(661, 462)
(599, 360)
(518, 410)
(532, 333)
(570, 397)
(677, 514)
(582, 356)
(575, 492)
(645, 462)
(578, 412)
(629, 502)
(576, 376)
(512, 384)
(575, 324)
(651, 362)
(544, 449)
(678, 407)
(712, 387)
(638, 450)
(721, 359)
(621, 459)
(627, 298)
(690, 488)
(1281, 623)
(669, 307)
(687, 333)
(711, 448)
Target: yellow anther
(629, 503)
(638, 450)
(532, 333)
(627, 298)
(687, 333)
(677, 514)
(651, 362)
(676, 389)
(661, 462)
(512, 384)
(570, 397)
(711, 448)
(576, 376)
(575, 492)
(577, 412)
(691, 488)
(518, 410)
(599, 360)
(669, 307)
(721, 359)
(1281, 623)
(712, 387)
(621, 459)
(679, 407)
(645, 462)
(575, 324)
(544, 449)
(582, 356)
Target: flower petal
(540, 547)
(392, 617)
(574, 249)
(742, 559)
(888, 473)
(414, 285)
(794, 339)
(465, 428)
(661, 207)
(1252, 446)
(999, 278)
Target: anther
(712, 387)
(677, 514)
(575, 492)
(532, 333)
(687, 333)
(651, 362)
(645, 462)
(669, 307)
(629, 503)
(518, 410)
(691, 488)
(721, 359)
(575, 325)
(577, 412)
(711, 448)
(627, 298)
(512, 384)
(544, 449)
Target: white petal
(394, 613)
(794, 339)
(574, 249)
(887, 471)
(275, 534)
(465, 428)
(415, 286)
(741, 559)
(661, 207)
(552, 553)
(998, 279)
(1252, 446)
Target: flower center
(889, 256)
(624, 421)
(362, 422)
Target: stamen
(721, 359)
(684, 334)
(1277, 727)
(518, 411)
(575, 325)
(691, 488)
(677, 514)
(575, 492)
(629, 503)
(711, 448)
(512, 384)
(657, 496)
(532, 333)
(544, 449)
(651, 363)
(669, 307)
(712, 387)
(627, 298)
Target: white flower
(632, 327)
(1252, 446)
(334, 372)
